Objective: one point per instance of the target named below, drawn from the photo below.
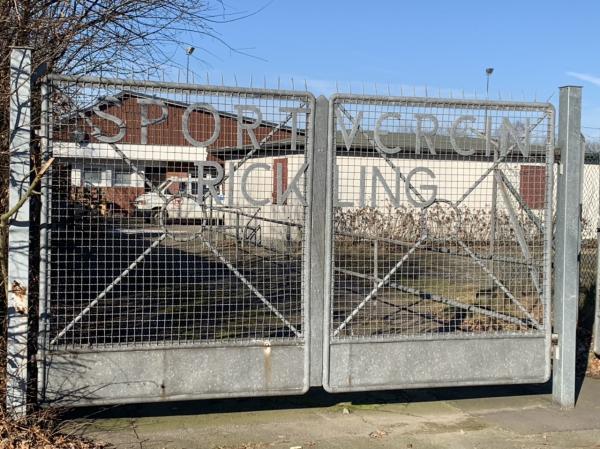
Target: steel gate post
(596, 331)
(566, 259)
(317, 229)
(18, 231)
(44, 279)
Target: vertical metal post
(596, 333)
(493, 217)
(567, 235)
(18, 231)
(596, 342)
(317, 239)
(45, 190)
(375, 263)
(210, 217)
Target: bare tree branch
(89, 37)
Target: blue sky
(535, 46)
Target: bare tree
(87, 37)
(101, 36)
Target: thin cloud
(585, 77)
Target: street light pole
(188, 52)
(488, 72)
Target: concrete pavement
(484, 418)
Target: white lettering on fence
(186, 119)
(428, 135)
(462, 135)
(145, 121)
(249, 119)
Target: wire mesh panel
(176, 215)
(440, 227)
(590, 229)
(590, 201)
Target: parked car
(181, 196)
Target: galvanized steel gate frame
(433, 360)
(319, 358)
(142, 373)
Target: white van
(180, 206)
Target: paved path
(509, 417)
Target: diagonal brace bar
(535, 275)
(438, 298)
(248, 284)
(511, 188)
(500, 285)
(379, 285)
(108, 289)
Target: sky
(433, 47)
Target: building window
(121, 179)
(92, 177)
(533, 185)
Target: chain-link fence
(590, 202)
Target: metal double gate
(222, 242)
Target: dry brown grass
(588, 363)
(40, 430)
(593, 368)
(407, 224)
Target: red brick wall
(169, 132)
